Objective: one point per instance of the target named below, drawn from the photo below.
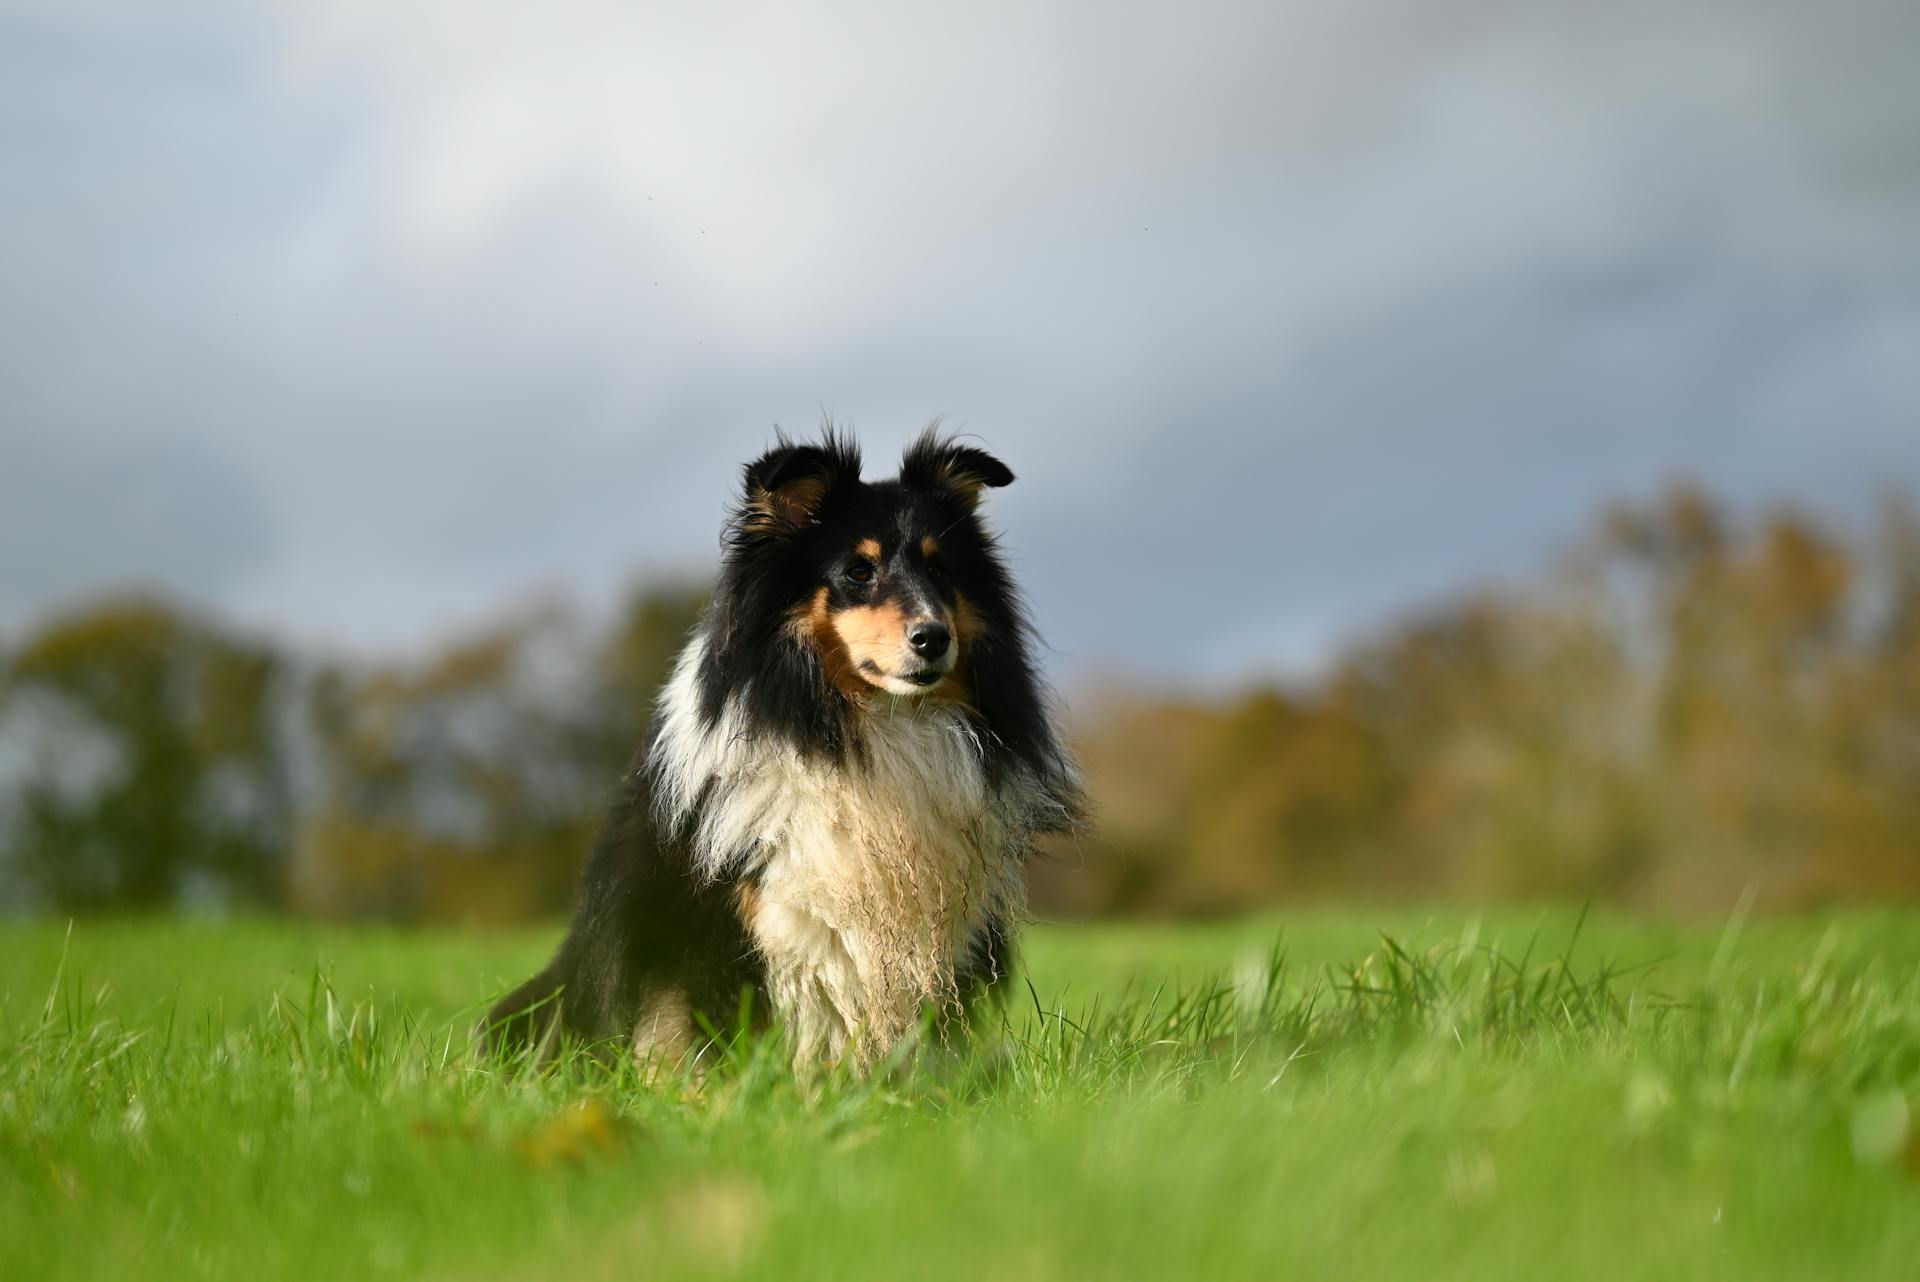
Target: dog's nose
(929, 639)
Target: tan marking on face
(869, 548)
(875, 634)
(929, 547)
(812, 625)
(955, 688)
(968, 626)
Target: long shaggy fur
(797, 829)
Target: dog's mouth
(917, 678)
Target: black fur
(647, 922)
(644, 922)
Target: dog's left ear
(936, 463)
(786, 487)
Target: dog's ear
(786, 486)
(934, 462)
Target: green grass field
(1292, 1097)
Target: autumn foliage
(1682, 714)
(1683, 711)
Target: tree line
(1683, 709)
(152, 759)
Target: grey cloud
(78, 518)
(1310, 309)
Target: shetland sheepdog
(828, 823)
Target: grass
(1326, 1095)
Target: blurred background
(1467, 450)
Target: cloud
(1285, 314)
(81, 518)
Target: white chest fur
(873, 876)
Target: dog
(828, 824)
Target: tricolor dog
(842, 784)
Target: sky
(358, 322)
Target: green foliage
(167, 759)
(467, 788)
(168, 725)
(1501, 1097)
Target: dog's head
(890, 583)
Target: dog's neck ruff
(865, 880)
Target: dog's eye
(936, 569)
(860, 572)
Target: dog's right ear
(935, 462)
(787, 486)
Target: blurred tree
(636, 661)
(468, 787)
(1690, 707)
(152, 767)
